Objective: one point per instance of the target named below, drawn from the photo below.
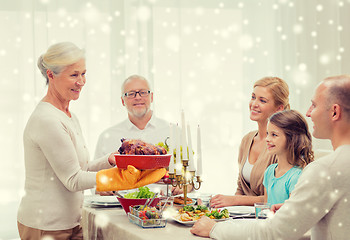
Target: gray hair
(134, 77)
(59, 56)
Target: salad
(143, 192)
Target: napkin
(115, 179)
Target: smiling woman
(63, 66)
(270, 95)
(56, 158)
(66, 85)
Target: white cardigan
(57, 170)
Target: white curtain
(199, 55)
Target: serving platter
(142, 162)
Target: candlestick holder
(185, 178)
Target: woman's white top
(247, 170)
(57, 170)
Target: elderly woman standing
(56, 158)
(270, 95)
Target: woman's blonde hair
(298, 137)
(279, 90)
(58, 56)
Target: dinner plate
(240, 210)
(178, 206)
(103, 201)
(190, 223)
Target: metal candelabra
(185, 178)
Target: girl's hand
(275, 207)
(220, 200)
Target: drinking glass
(261, 210)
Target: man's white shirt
(156, 130)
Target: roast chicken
(139, 147)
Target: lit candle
(178, 165)
(199, 152)
(183, 136)
(171, 149)
(190, 152)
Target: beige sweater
(256, 187)
(320, 200)
(57, 170)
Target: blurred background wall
(199, 55)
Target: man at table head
(321, 197)
(136, 96)
(141, 122)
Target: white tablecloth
(113, 223)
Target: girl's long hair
(299, 141)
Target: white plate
(190, 223)
(240, 210)
(100, 201)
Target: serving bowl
(142, 162)
(127, 202)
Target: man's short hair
(135, 76)
(339, 92)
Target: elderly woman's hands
(111, 159)
(115, 179)
(203, 226)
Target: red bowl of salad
(138, 197)
(127, 202)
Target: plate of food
(241, 210)
(141, 155)
(188, 215)
(179, 202)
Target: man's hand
(203, 227)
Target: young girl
(289, 139)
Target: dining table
(111, 222)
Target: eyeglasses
(142, 93)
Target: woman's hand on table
(220, 200)
(203, 226)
